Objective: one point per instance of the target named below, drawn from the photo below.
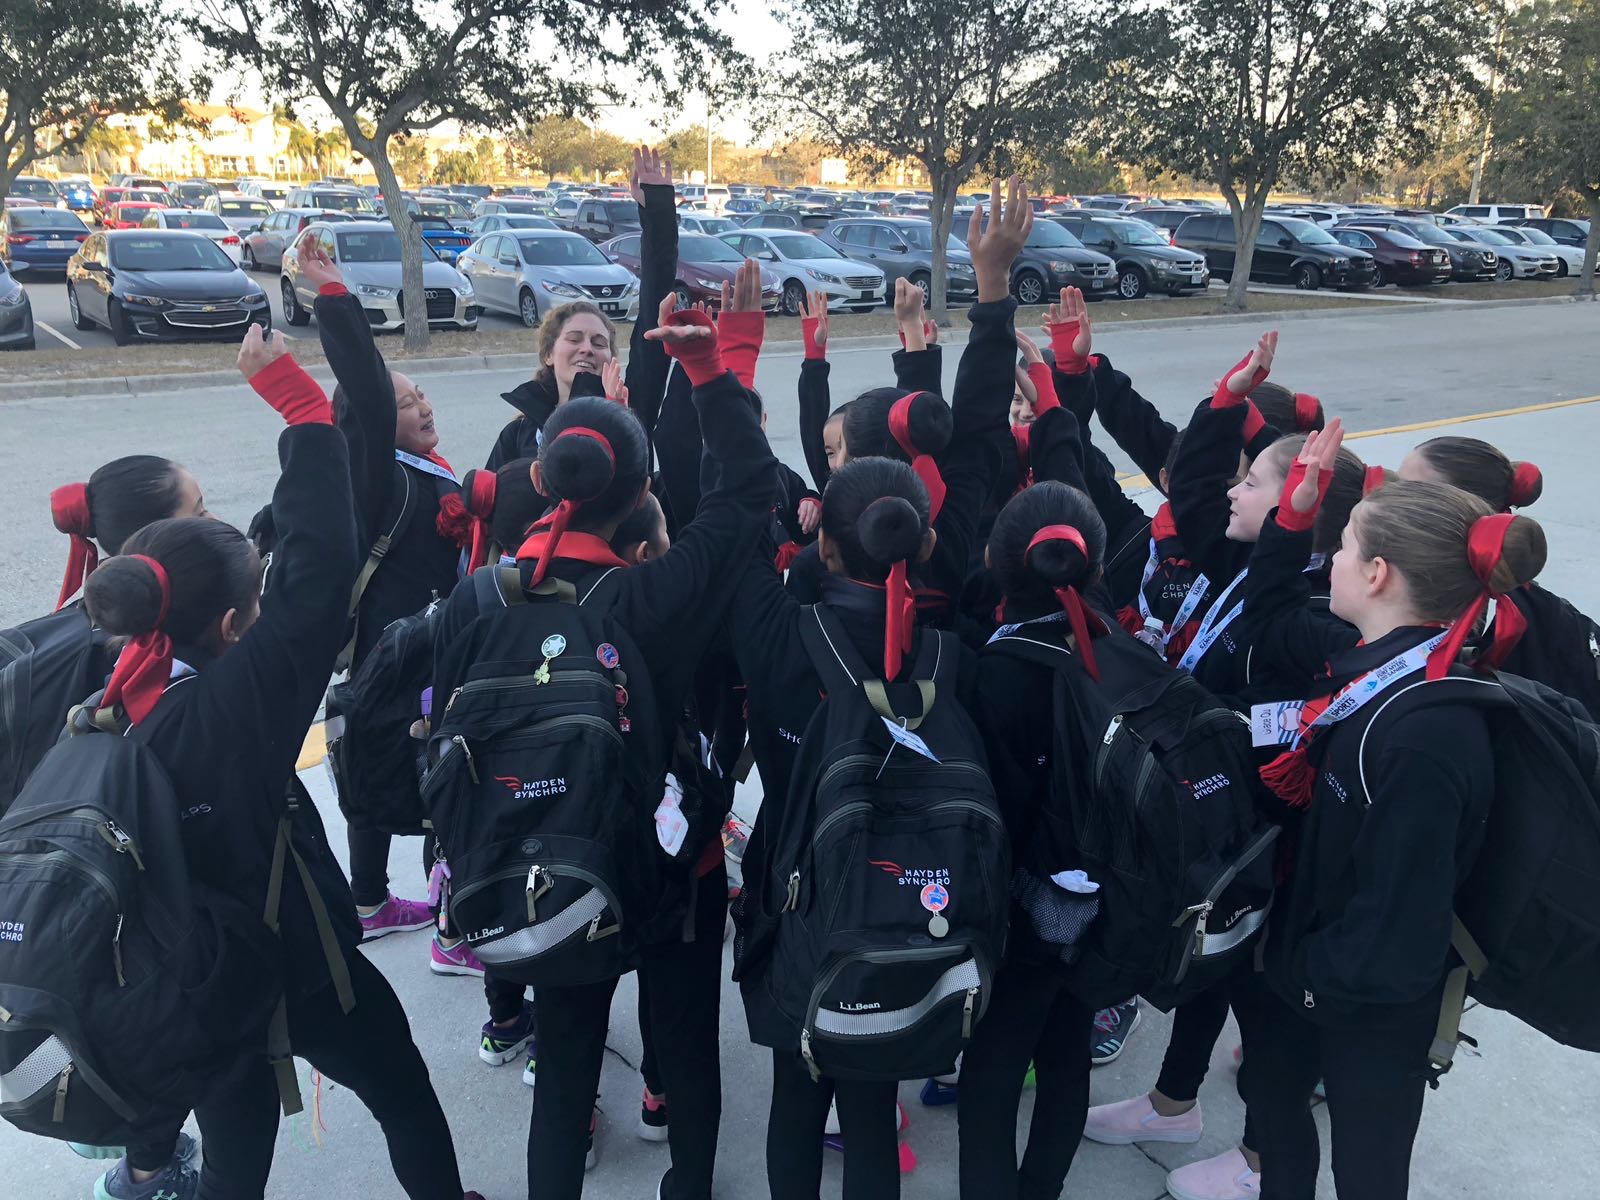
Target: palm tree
(301, 148)
(332, 151)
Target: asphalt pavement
(1513, 1119)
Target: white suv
(715, 198)
(1493, 214)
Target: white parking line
(56, 333)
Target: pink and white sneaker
(454, 960)
(1226, 1177)
(1136, 1120)
(395, 915)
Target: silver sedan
(805, 263)
(529, 273)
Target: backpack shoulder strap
(406, 491)
(497, 586)
(842, 669)
(1452, 689)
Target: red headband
(927, 470)
(1078, 615)
(479, 495)
(69, 509)
(1307, 412)
(1526, 481)
(145, 664)
(1374, 479)
(565, 510)
(1485, 545)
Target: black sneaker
(653, 1118)
(176, 1181)
(1112, 1028)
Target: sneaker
(1136, 1120)
(530, 1072)
(1112, 1028)
(454, 960)
(1225, 1177)
(735, 837)
(176, 1181)
(395, 915)
(502, 1043)
(936, 1093)
(653, 1118)
(186, 1150)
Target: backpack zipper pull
(1112, 730)
(121, 842)
(533, 893)
(472, 768)
(60, 1113)
(791, 899)
(1594, 652)
(966, 1013)
(805, 1053)
(1310, 1000)
(116, 952)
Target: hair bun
(70, 510)
(1522, 554)
(1058, 561)
(577, 464)
(890, 529)
(931, 423)
(478, 492)
(124, 596)
(1527, 485)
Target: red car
(110, 197)
(130, 214)
(704, 263)
(1401, 259)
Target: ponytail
(479, 491)
(121, 497)
(1477, 467)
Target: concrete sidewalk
(1515, 1119)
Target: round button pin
(553, 646)
(938, 926)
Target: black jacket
(914, 370)
(229, 736)
(534, 401)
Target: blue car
(38, 240)
(31, 187)
(78, 193)
(448, 241)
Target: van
(715, 196)
(1493, 214)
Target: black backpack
(375, 761)
(1153, 797)
(1561, 648)
(879, 915)
(46, 666)
(537, 793)
(1527, 916)
(123, 987)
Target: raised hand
(1313, 468)
(258, 352)
(908, 303)
(1068, 326)
(1253, 371)
(648, 167)
(810, 514)
(814, 324)
(611, 379)
(995, 248)
(1029, 348)
(747, 287)
(315, 266)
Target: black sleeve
(678, 449)
(508, 447)
(920, 370)
(1055, 448)
(266, 689)
(1135, 424)
(791, 490)
(648, 363)
(365, 409)
(815, 405)
(1197, 487)
(1008, 715)
(1286, 635)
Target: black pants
(683, 994)
(369, 864)
(868, 1120)
(504, 997)
(369, 1051)
(1375, 1075)
(1196, 1026)
(1033, 1018)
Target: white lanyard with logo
(1191, 601)
(1278, 724)
(425, 464)
(1211, 628)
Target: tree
(1246, 92)
(405, 68)
(1547, 121)
(550, 144)
(332, 151)
(66, 65)
(942, 82)
(410, 158)
(458, 166)
(603, 152)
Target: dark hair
(639, 525)
(1281, 408)
(875, 511)
(516, 504)
(1344, 492)
(1053, 564)
(211, 567)
(1173, 452)
(578, 468)
(866, 424)
(127, 494)
(1477, 467)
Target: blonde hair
(550, 333)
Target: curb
(118, 385)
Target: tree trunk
(415, 299)
(1590, 249)
(942, 182)
(1246, 225)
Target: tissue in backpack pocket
(671, 825)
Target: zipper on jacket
(60, 1113)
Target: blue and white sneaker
(1112, 1028)
(178, 1180)
(942, 1089)
(502, 1043)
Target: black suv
(1051, 259)
(1145, 258)
(1468, 264)
(1287, 251)
(602, 220)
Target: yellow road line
(1484, 416)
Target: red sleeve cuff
(808, 334)
(284, 384)
(1254, 422)
(701, 359)
(739, 335)
(1295, 522)
(1068, 361)
(1045, 388)
(333, 289)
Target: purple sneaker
(454, 960)
(395, 915)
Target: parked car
(142, 182)
(333, 197)
(265, 245)
(368, 255)
(239, 213)
(704, 263)
(1493, 214)
(903, 248)
(130, 214)
(191, 193)
(16, 313)
(441, 208)
(111, 197)
(275, 194)
(1286, 251)
(1468, 263)
(506, 205)
(806, 264)
(1516, 261)
(711, 226)
(1142, 256)
(447, 241)
(205, 224)
(78, 192)
(151, 284)
(713, 197)
(565, 208)
(1167, 218)
(743, 206)
(1569, 231)
(529, 273)
(40, 239)
(1115, 204)
(1053, 258)
(495, 222)
(1400, 258)
(1569, 258)
(602, 220)
(32, 187)
(774, 219)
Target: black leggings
(369, 1051)
(369, 864)
(1196, 1026)
(1033, 1018)
(1375, 1075)
(868, 1120)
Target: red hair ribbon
(1485, 546)
(479, 498)
(899, 619)
(565, 510)
(69, 509)
(1079, 617)
(1374, 479)
(145, 664)
(927, 470)
(1526, 481)
(1307, 412)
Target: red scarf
(927, 470)
(1085, 625)
(145, 664)
(69, 509)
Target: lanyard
(1008, 630)
(1191, 601)
(1368, 685)
(424, 464)
(1210, 627)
